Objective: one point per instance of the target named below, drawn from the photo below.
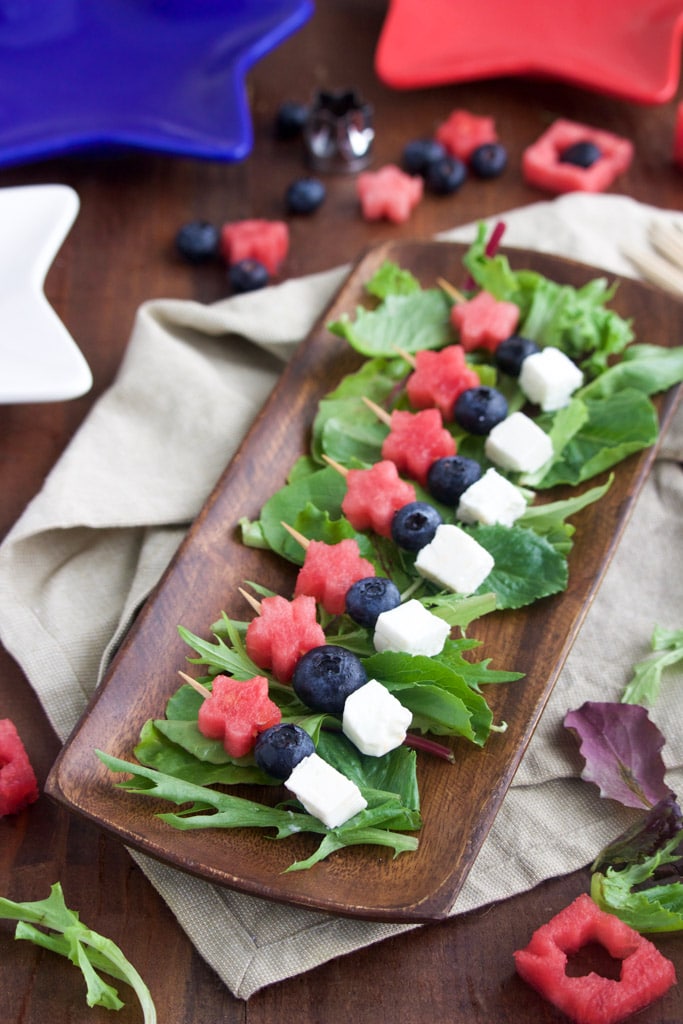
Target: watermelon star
(630, 50)
(236, 711)
(389, 193)
(484, 321)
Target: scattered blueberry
(445, 176)
(290, 120)
(414, 525)
(477, 410)
(512, 352)
(326, 675)
(582, 154)
(489, 160)
(278, 750)
(197, 241)
(419, 154)
(305, 195)
(247, 276)
(366, 599)
(449, 477)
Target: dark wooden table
(120, 254)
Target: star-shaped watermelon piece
(626, 48)
(166, 76)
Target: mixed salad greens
(609, 418)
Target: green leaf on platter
(628, 892)
(647, 368)
(475, 673)
(550, 520)
(168, 747)
(410, 322)
(218, 656)
(617, 426)
(390, 279)
(439, 697)
(527, 566)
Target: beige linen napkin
(90, 546)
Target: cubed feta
(410, 628)
(374, 720)
(549, 378)
(454, 560)
(491, 499)
(519, 444)
(325, 792)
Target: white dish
(39, 360)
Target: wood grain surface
(118, 255)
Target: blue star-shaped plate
(166, 75)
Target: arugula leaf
(87, 949)
(629, 894)
(621, 747)
(643, 688)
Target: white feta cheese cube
(549, 378)
(374, 720)
(454, 560)
(519, 444)
(325, 792)
(410, 628)
(491, 499)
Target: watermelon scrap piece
(255, 239)
(416, 440)
(328, 572)
(282, 632)
(592, 998)
(389, 193)
(18, 783)
(438, 378)
(541, 165)
(484, 321)
(236, 712)
(462, 132)
(373, 495)
(678, 137)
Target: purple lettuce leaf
(621, 747)
(644, 838)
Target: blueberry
(419, 154)
(489, 160)
(512, 352)
(305, 195)
(247, 276)
(325, 676)
(414, 525)
(366, 599)
(477, 410)
(290, 120)
(449, 477)
(582, 154)
(197, 241)
(445, 176)
(278, 750)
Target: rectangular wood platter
(459, 801)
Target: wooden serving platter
(460, 800)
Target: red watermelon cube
(438, 378)
(373, 495)
(542, 166)
(18, 783)
(463, 132)
(328, 572)
(592, 998)
(484, 321)
(282, 632)
(389, 193)
(264, 240)
(416, 440)
(236, 712)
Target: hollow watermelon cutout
(591, 998)
(543, 167)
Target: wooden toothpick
(251, 600)
(380, 413)
(299, 537)
(450, 289)
(195, 685)
(336, 465)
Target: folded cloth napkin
(90, 546)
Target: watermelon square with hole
(545, 163)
